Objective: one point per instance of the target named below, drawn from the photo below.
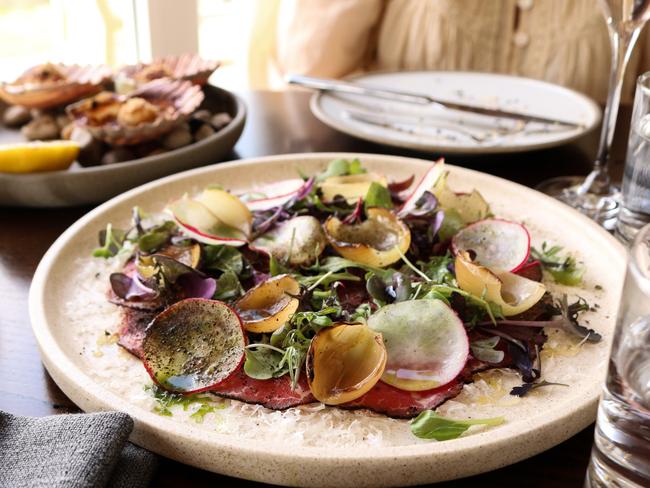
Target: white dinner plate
(254, 443)
(431, 129)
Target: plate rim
(317, 110)
(151, 428)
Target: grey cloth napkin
(75, 451)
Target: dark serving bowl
(83, 185)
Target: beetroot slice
(194, 345)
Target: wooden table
(279, 122)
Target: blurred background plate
(79, 185)
(428, 128)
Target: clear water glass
(635, 203)
(621, 452)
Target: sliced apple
(377, 241)
(344, 362)
(426, 342)
(196, 221)
(426, 183)
(267, 306)
(513, 293)
(273, 195)
(194, 345)
(500, 245)
(228, 208)
(297, 242)
(350, 187)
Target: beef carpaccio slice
(276, 393)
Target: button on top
(525, 4)
(521, 39)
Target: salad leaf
(263, 362)
(564, 270)
(111, 241)
(430, 425)
(439, 269)
(451, 224)
(526, 388)
(228, 287)
(341, 167)
(223, 258)
(156, 237)
(377, 196)
(484, 350)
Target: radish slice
(426, 343)
(426, 183)
(194, 345)
(273, 195)
(513, 293)
(197, 222)
(500, 245)
(298, 241)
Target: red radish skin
(216, 239)
(276, 200)
(172, 309)
(455, 249)
(425, 184)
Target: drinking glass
(621, 453)
(635, 201)
(596, 196)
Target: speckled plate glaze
(428, 128)
(542, 420)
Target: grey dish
(81, 186)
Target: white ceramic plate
(80, 186)
(534, 423)
(446, 131)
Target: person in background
(560, 41)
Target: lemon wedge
(32, 157)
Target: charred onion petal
(498, 244)
(298, 241)
(470, 207)
(267, 306)
(344, 362)
(513, 293)
(374, 242)
(194, 345)
(128, 287)
(228, 208)
(426, 343)
(350, 187)
(197, 222)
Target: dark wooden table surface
(279, 122)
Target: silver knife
(418, 99)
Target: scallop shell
(67, 83)
(184, 67)
(175, 101)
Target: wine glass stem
(622, 43)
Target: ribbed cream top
(562, 41)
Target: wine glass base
(601, 208)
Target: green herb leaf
(437, 269)
(564, 270)
(228, 287)
(341, 167)
(111, 241)
(430, 425)
(524, 389)
(451, 224)
(223, 258)
(263, 362)
(165, 400)
(277, 268)
(156, 237)
(377, 196)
